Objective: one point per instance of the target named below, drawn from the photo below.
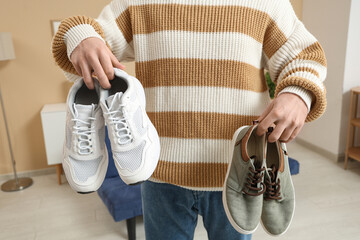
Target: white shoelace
(83, 130)
(119, 118)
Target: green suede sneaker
(243, 186)
(279, 197)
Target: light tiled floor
(327, 207)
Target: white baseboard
(32, 173)
(334, 157)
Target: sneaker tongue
(273, 173)
(114, 100)
(255, 162)
(114, 103)
(84, 111)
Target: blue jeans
(171, 212)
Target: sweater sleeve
(113, 27)
(295, 59)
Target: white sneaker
(85, 158)
(134, 140)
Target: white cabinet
(53, 118)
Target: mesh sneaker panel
(130, 160)
(68, 137)
(85, 169)
(138, 120)
(101, 137)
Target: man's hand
(288, 113)
(92, 55)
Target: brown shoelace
(272, 186)
(255, 176)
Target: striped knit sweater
(202, 65)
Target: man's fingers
(262, 128)
(93, 58)
(295, 133)
(266, 112)
(99, 72)
(288, 113)
(86, 74)
(107, 66)
(78, 69)
(277, 132)
(115, 62)
(266, 121)
(283, 129)
(285, 136)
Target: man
(201, 64)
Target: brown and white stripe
(202, 66)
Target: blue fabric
(122, 201)
(294, 166)
(171, 212)
(111, 171)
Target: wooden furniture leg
(59, 170)
(350, 130)
(351, 127)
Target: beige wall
(32, 79)
(298, 7)
(340, 38)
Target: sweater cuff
(75, 35)
(304, 94)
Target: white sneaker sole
(94, 186)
